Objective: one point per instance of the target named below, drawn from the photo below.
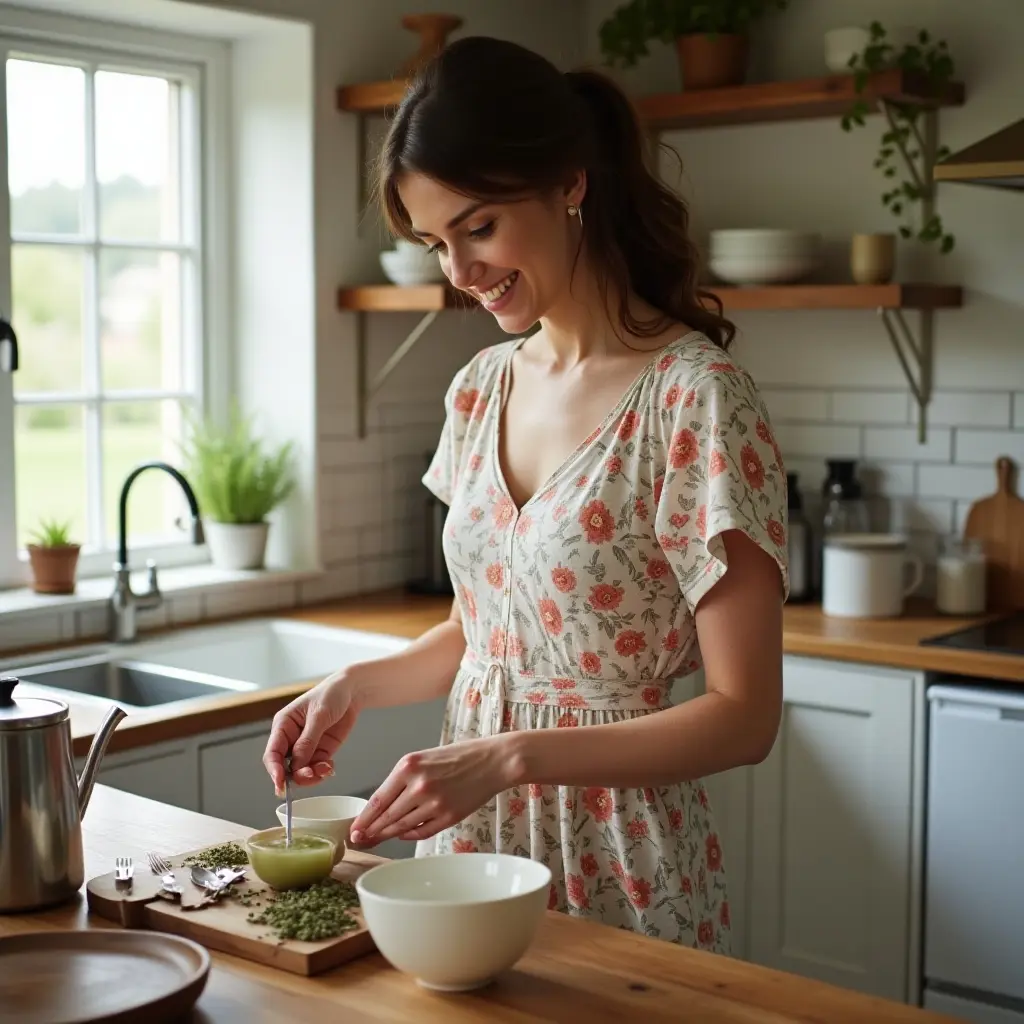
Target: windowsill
(95, 591)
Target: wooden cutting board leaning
(998, 523)
(225, 924)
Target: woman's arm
(422, 671)
(739, 628)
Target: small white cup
(330, 816)
(864, 575)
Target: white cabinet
(164, 772)
(834, 812)
(233, 784)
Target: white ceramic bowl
(410, 264)
(841, 44)
(454, 921)
(330, 816)
(762, 256)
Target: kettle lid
(28, 712)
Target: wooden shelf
(392, 298)
(387, 298)
(841, 296)
(371, 97)
(791, 100)
(786, 101)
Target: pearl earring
(575, 211)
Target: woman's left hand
(429, 790)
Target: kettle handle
(7, 685)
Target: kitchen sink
(132, 683)
(264, 652)
(199, 662)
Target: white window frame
(202, 67)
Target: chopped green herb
(226, 855)
(318, 912)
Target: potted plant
(711, 36)
(53, 557)
(903, 157)
(237, 484)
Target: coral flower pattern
(585, 616)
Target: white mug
(864, 575)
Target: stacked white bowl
(410, 263)
(762, 256)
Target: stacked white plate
(762, 256)
(410, 264)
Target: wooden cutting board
(998, 522)
(224, 926)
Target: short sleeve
(463, 406)
(722, 470)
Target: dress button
(507, 591)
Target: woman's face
(516, 258)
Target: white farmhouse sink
(198, 663)
(264, 652)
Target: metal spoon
(207, 879)
(287, 801)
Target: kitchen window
(103, 279)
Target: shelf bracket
(368, 388)
(915, 356)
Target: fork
(124, 869)
(159, 866)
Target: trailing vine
(903, 142)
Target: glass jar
(960, 577)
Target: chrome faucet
(125, 604)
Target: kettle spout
(95, 755)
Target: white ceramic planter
(237, 545)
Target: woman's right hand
(311, 728)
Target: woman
(617, 513)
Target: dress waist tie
(499, 684)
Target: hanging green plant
(903, 143)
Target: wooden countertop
(575, 970)
(892, 642)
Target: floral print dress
(578, 609)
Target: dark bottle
(800, 544)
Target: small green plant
(235, 480)
(904, 138)
(625, 34)
(52, 533)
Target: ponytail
(637, 230)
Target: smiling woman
(617, 514)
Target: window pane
(49, 452)
(140, 319)
(135, 432)
(47, 293)
(137, 156)
(45, 146)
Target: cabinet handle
(9, 343)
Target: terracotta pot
(54, 568)
(872, 258)
(712, 61)
(434, 30)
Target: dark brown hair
(495, 121)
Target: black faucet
(124, 603)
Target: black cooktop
(1000, 636)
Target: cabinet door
(167, 774)
(234, 785)
(831, 829)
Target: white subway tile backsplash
(42, 627)
(985, 446)
(902, 443)
(340, 547)
(251, 599)
(870, 407)
(922, 515)
(1018, 409)
(823, 440)
(345, 452)
(963, 483)
(786, 405)
(185, 609)
(892, 479)
(969, 409)
(338, 581)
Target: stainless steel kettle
(41, 801)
